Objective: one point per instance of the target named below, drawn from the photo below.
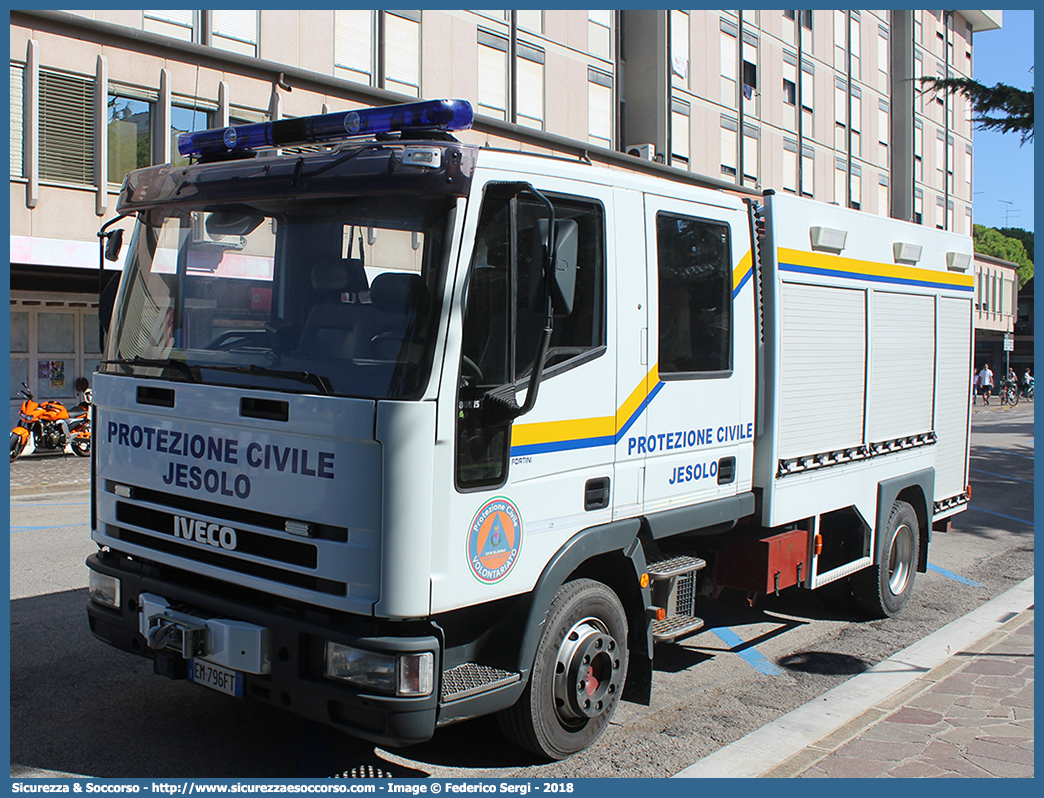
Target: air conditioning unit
(647, 152)
(202, 236)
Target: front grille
(214, 557)
(290, 552)
(236, 515)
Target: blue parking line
(30, 506)
(951, 575)
(1000, 515)
(1001, 476)
(750, 655)
(1000, 449)
(43, 528)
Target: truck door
(698, 444)
(517, 489)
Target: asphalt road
(80, 707)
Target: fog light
(402, 674)
(103, 589)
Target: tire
(578, 674)
(17, 445)
(1013, 396)
(883, 589)
(81, 446)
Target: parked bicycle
(1009, 392)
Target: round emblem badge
(494, 541)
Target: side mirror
(563, 272)
(114, 245)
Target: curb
(795, 741)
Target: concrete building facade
(821, 103)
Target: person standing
(986, 383)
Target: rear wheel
(81, 446)
(578, 673)
(882, 590)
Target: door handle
(596, 494)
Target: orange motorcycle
(52, 426)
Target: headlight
(103, 589)
(400, 674)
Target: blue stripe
(742, 282)
(953, 576)
(638, 412)
(749, 654)
(1000, 476)
(875, 278)
(1000, 515)
(976, 450)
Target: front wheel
(883, 589)
(17, 445)
(1013, 395)
(578, 673)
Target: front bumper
(294, 660)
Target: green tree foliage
(991, 241)
(1001, 107)
(1025, 236)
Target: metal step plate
(675, 626)
(674, 566)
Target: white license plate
(215, 677)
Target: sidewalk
(958, 703)
(49, 472)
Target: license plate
(215, 677)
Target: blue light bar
(426, 115)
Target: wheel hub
(900, 558)
(587, 673)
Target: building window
(883, 54)
(883, 123)
(680, 111)
(729, 76)
(694, 265)
(353, 45)
(918, 217)
(789, 92)
(680, 48)
(790, 165)
(729, 145)
(882, 194)
(402, 52)
(130, 134)
(808, 93)
(17, 82)
(531, 20)
(235, 31)
(175, 24)
(492, 75)
(185, 119)
(918, 151)
(530, 82)
(750, 155)
(600, 108)
(66, 119)
(808, 171)
(856, 187)
(600, 34)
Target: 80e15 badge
(494, 541)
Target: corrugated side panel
(822, 369)
(954, 400)
(902, 372)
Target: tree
(1025, 236)
(992, 242)
(1003, 108)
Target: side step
(471, 679)
(674, 597)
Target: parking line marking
(751, 655)
(42, 528)
(975, 450)
(951, 575)
(1000, 515)
(1001, 476)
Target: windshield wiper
(165, 362)
(319, 381)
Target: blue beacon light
(426, 115)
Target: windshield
(332, 296)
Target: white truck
(325, 478)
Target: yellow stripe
(581, 428)
(818, 260)
(741, 270)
